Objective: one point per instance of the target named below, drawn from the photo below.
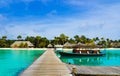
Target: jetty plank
(96, 70)
(47, 64)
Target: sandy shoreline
(23, 48)
(110, 49)
(65, 49)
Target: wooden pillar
(74, 71)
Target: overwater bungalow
(84, 50)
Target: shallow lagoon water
(12, 62)
(112, 58)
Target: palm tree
(44, 42)
(31, 39)
(4, 37)
(102, 42)
(76, 37)
(56, 40)
(83, 39)
(19, 37)
(72, 41)
(37, 41)
(63, 38)
(27, 38)
(108, 42)
(96, 40)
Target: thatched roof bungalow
(18, 44)
(50, 46)
(58, 46)
(68, 45)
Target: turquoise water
(12, 62)
(112, 58)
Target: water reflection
(82, 60)
(112, 58)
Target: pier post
(74, 71)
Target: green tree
(90, 42)
(19, 37)
(102, 42)
(37, 41)
(72, 41)
(77, 38)
(63, 38)
(96, 40)
(4, 37)
(2, 43)
(31, 39)
(27, 38)
(44, 42)
(26, 45)
(56, 40)
(83, 39)
(108, 43)
(21, 45)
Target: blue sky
(49, 18)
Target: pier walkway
(47, 64)
(95, 70)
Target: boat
(83, 50)
(81, 54)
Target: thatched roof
(49, 45)
(58, 46)
(67, 44)
(19, 42)
(85, 46)
(81, 44)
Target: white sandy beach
(24, 48)
(65, 49)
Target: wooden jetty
(47, 64)
(95, 70)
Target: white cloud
(102, 22)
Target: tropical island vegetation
(41, 42)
